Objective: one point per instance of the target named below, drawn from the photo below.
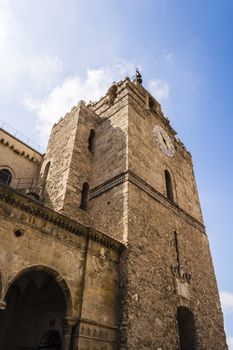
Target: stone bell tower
(171, 298)
(145, 195)
(117, 165)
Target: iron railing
(23, 184)
(30, 184)
(19, 135)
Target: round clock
(164, 141)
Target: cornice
(139, 182)
(109, 184)
(29, 206)
(24, 154)
(151, 191)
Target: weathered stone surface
(136, 255)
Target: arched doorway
(35, 308)
(186, 326)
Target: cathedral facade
(103, 245)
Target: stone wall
(21, 160)
(148, 162)
(154, 289)
(166, 263)
(83, 261)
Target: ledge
(33, 207)
(140, 183)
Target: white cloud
(43, 69)
(230, 343)
(70, 91)
(227, 301)
(159, 89)
(21, 64)
(168, 56)
(5, 19)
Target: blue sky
(56, 52)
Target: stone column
(2, 304)
(68, 324)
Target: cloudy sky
(55, 52)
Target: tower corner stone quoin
(103, 244)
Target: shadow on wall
(36, 307)
(108, 197)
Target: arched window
(187, 330)
(46, 171)
(5, 177)
(169, 186)
(91, 140)
(85, 196)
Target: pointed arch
(53, 273)
(37, 300)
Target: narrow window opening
(91, 140)
(50, 340)
(187, 330)
(5, 177)
(46, 171)
(85, 196)
(18, 233)
(44, 181)
(169, 186)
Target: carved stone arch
(173, 180)
(50, 271)
(5, 166)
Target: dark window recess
(169, 186)
(50, 341)
(85, 196)
(91, 140)
(5, 177)
(18, 233)
(187, 330)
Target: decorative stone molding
(15, 199)
(179, 272)
(22, 153)
(140, 183)
(97, 331)
(109, 184)
(2, 304)
(112, 94)
(68, 324)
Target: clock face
(164, 141)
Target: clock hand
(164, 141)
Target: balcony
(32, 187)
